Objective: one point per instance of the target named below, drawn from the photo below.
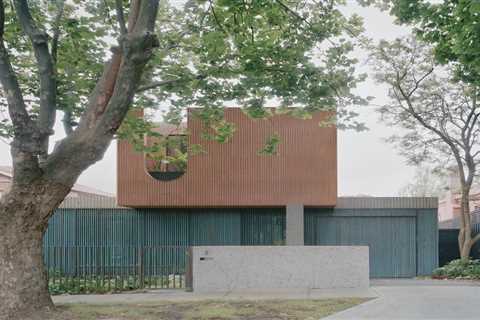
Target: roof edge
(387, 203)
(90, 202)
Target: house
(231, 195)
(449, 207)
(234, 174)
(77, 191)
(450, 204)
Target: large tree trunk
(24, 216)
(465, 241)
(38, 188)
(24, 287)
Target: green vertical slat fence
(118, 249)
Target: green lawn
(210, 310)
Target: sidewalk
(410, 299)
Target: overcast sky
(366, 164)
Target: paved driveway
(417, 299)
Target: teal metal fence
(84, 269)
(88, 250)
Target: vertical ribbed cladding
(427, 241)
(234, 175)
(262, 226)
(119, 227)
(403, 242)
(112, 237)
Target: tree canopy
(438, 114)
(211, 54)
(452, 27)
(425, 183)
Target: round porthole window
(166, 155)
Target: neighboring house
(449, 205)
(77, 190)
(231, 195)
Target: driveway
(418, 299)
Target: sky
(367, 165)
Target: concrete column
(295, 225)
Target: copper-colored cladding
(235, 175)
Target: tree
(426, 183)
(53, 58)
(452, 27)
(438, 115)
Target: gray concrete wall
(294, 225)
(238, 268)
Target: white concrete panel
(237, 268)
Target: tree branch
(2, 19)
(25, 145)
(56, 30)
(473, 114)
(216, 18)
(133, 16)
(476, 238)
(292, 12)
(104, 89)
(46, 72)
(157, 84)
(111, 98)
(417, 82)
(16, 105)
(422, 121)
(120, 17)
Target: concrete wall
(235, 268)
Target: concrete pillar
(295, 225)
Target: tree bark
(39, 187)
(24, 213)
(465, 241)
(24, 290)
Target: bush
(459, 269)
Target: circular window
(166, 154)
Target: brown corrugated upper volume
(234, 174)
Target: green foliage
(101, 284)
(271, 145)
(459, 269)
(80, 54)
(6, 129)
(168, 149)
(451, 26)
(295, 55)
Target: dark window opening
(166, 158)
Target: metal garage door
(391, 239)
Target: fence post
(189, 271)
(141, 271)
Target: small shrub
(77, 286)
(459, 269)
